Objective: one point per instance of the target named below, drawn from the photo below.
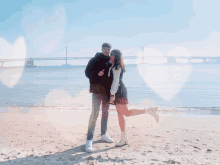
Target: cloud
(206, 47)
(44, 31)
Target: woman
(118, 95)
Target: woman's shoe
(122, 142)
(152, 111)
(124, 139)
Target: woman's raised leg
(151, 111)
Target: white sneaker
(89, 145)
(152, 111)
(106, 138)
(122, 142)
(124, 139)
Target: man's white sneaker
(89, 145)
(106, 138)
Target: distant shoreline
(215, 111)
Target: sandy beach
(58, 136)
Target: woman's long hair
(119, 62)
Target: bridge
(29, 62)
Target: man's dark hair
(107, 45)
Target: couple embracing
(105, 73)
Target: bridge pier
(189, 60)
(171, 60)
(2, 63)
(143, 55)
(204, 60)
(30, 63)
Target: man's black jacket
(99, 84)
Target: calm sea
(59, 86)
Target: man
(100, 84)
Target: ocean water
(60, 86)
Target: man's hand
(101, 73)
(111, 100)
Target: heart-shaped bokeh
(165, 79)
(17, 50)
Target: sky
(45, 28)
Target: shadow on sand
(76, 155)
